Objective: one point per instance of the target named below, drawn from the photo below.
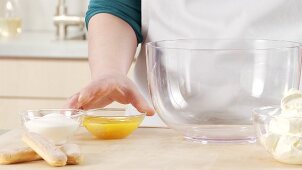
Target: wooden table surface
(156, 148)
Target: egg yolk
(111, 127)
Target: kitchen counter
(42, 45)
(158, 148)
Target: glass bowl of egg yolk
(111, 123)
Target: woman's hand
(106, 89)
(111, 51)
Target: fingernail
(150, 113)
(82, 99)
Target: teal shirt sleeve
(127, 10)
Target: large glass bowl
(206, 88)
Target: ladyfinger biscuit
(18, 155)
(45, 148)
(73, 153)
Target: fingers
(72, 102)
(142, 106)
(103, 92)
(126, 92)
(93, 92)
(139, 102)
(100, 103)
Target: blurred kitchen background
(43, 65)
(38, 15)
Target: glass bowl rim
(256, 113)
(79, 112)
(138, 114)
(294, 44)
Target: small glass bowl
(111, 123)
(279, 133)
(58, 125)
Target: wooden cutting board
(156, 148)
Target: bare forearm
(112, 45)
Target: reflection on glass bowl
(206, 88)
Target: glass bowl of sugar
(58, 125)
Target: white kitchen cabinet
(33, 83)
(38, 71)
(42, 78)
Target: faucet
(62, 21)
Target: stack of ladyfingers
(41, 148)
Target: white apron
(175, 19)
